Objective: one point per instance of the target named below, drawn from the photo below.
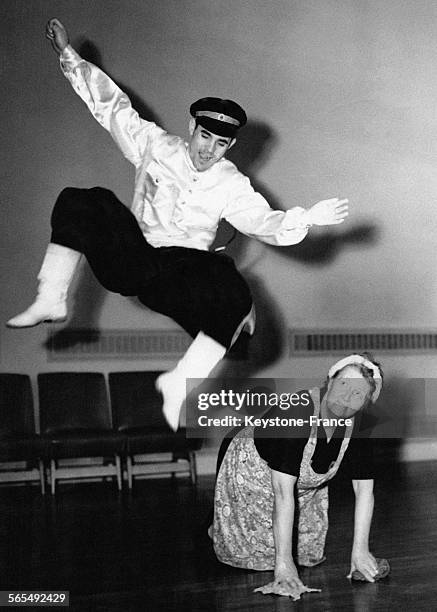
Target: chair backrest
(16, 405)
(73, 400)
(135, 401)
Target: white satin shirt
(175, 204)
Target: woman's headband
(359, 360)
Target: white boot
(55, 276)
(202, 356)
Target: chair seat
(84, 434)
(83, 443)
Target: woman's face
(347, 393)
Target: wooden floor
(148, 551)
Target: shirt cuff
(296, 218)
(69, 59)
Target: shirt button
(190, 191)
(195, 179)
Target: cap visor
(220, 128)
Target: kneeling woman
(254, 505)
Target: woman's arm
(286, 580)
(361, 558)
(283, 520)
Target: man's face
(205, 148)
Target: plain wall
(341, 97)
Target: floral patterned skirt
(243, 506)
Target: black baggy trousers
(201, 291)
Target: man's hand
(286, 583)
(57, 35)
(364, 562)
(328, 212)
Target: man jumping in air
(158, 250)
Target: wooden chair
(75, 420)
(137, 413)
(19, 442)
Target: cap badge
(218, 117)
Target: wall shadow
(267, 344)
(253, 148)
(323, 249)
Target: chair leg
(42, 479)
(53, 475)
(129, 470)
(118, 468)
(193, 467)
(174, 459)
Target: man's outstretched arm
(251, 214)
(109, 105)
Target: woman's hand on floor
(286, 583)
(364, 562)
